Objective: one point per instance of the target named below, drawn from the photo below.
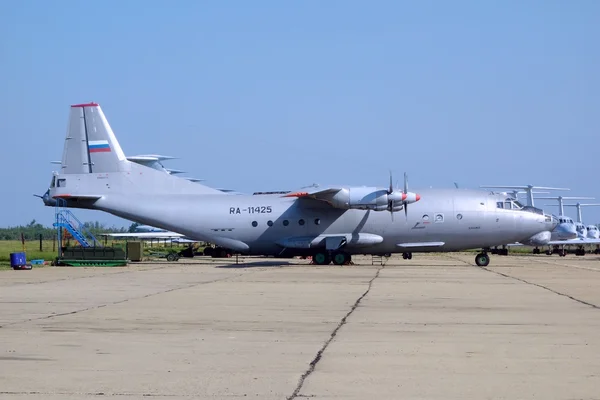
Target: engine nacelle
(539, 239)
(372, 198)
(361, 198)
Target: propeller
(405, 194)
(46, 198)
(403, 197)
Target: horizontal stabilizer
(174, 171)
(527, 187)
(421, 244)
(150, 157)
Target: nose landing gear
(482, 259)
(407, 256)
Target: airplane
(591, 231)
(581, 230)
(329, 223)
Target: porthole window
(301, 222)
(317, 221)
(286, 222)
(254, 224)
(270, 223)
(459, 216)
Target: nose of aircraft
(567, 231)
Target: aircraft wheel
(562, 253)
(548, 252)
(321, 258)
(172, 257)
(536, 251)
(340, 258)
(482, 259)
(405, 256)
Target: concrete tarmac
(434, 327)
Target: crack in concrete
(557, 263)
(542, 287)
(332, 336)
(532, 283)
(120, 301)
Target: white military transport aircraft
(329, 223)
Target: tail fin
(90, 145)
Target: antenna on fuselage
(527, 189)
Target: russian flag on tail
(98, 146)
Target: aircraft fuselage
(443, 220)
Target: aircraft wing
(575, 242)
(324, 195)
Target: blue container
(17, 259)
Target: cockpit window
(499, 204)
(53, 183)
(517, 205)
(507, 205)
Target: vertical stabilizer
(90, 145)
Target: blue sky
(272, 95)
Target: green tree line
(33, 230)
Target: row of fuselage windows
(285, 222)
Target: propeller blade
(405, 192)
(391, 189)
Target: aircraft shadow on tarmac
(256, 264)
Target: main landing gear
(407, 256)
(326, 257)
(482, 259)
(501, 252)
